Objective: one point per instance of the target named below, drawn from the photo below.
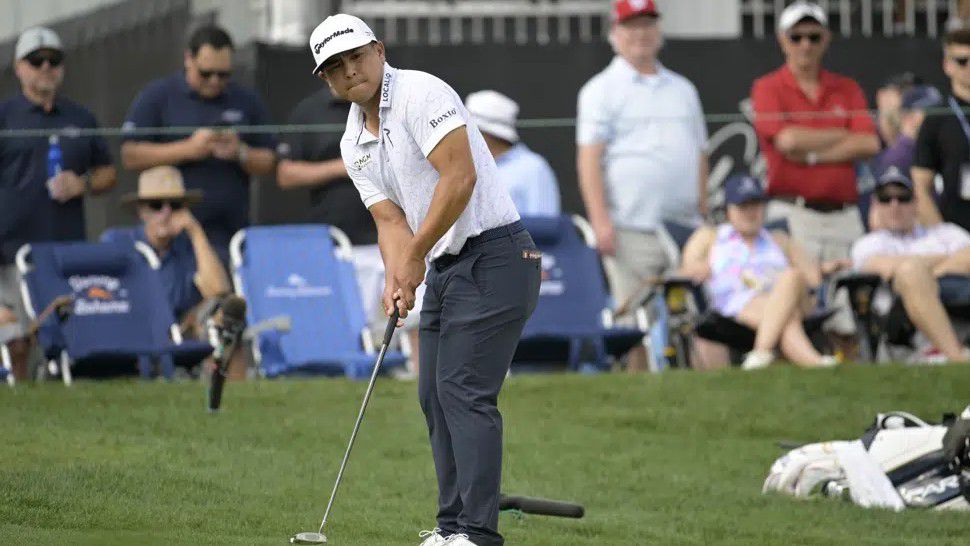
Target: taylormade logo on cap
(318, 47)
(337, 34)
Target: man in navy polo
(36, 205)
(214, 158)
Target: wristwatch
(242, 153)
(811, 158)
(86, 178)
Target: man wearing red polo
(812, 126)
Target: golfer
(425, 173)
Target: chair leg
(7, 364)
(66, 369)
(145, 366)
(166, 365)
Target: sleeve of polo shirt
(700, 125)
(100, 155)
(370, 194)
(861, 121)
(956, 237)
(927, 154)
(767, 109)
(145, 111)
(259, 115)
(433, 116)
(592, 119)
(863, 249)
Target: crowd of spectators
(783, 235)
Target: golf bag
(898, 463)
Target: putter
(319, 537)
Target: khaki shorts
(640, 255)
(824, 235)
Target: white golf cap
(36, 38)
(494, 113)
(800, 10)
(336, 34)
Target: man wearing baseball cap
(928, 266)
(526, 174)
(38, 201)
(641, 154)
(812, 126)
(425, 173)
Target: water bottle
(55, 161)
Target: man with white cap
(425, 173)
(41, 194)
(526, 174)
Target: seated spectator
(758, 278)
(528, 176)
(928, 266)
(190, 268)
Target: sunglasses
(814, 37)
(158, 204)
(902, 198)
(962, 61)
(221, 74)
(37, 59)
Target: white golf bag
(898, 463)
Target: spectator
(190, 269)
(528, 176)
(641, 153)
(928, 266)
(35, 205)
(757, 277)
(214, 158)
(912, 112)
(812, 125)
(942, 144)
(889, 100)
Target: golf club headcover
(230, 331)
(391, 325)
(541, 507)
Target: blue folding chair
(573, 320)
(119, 315)
(298, 272)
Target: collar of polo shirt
(624, 67)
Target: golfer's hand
(408, 275)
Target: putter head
(308, 538)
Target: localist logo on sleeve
(320, 45)
(438, 120)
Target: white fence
(863, 17)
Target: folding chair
(573, 322)
(298, 271)
(119, 315)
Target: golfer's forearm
(450, 198)
(851, 148)
(103, 179)
(259, 161)
(589, 165)
(210, 277)
(800, 140)
(298, 174)
(955, 264)
(886, 266)
(138, 156)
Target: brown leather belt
(817, 206)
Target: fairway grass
(677, 458)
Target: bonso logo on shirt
(438, 120)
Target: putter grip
(542, 507)
(391, 325)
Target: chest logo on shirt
(362, 162)
(438, 120)
(839, 111)
(232, 116)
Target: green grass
(671, 459)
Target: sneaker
(432, 537)
(458, 539)
(756, 360)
